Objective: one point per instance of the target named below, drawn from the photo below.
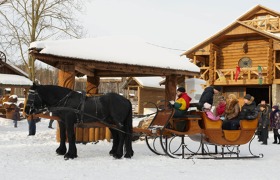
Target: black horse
(73, 107)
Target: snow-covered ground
(25, 157)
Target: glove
(172, 102)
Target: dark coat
(275, 119)
(264, 118)
(207, 96)
(248, 111)
(16, 115)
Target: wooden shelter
(112, 57)
(11, 78)
(144, 90)
(244, 57)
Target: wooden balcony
(247, 76)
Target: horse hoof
(128, 155)
(111, 153)
(60, 152)
(68, 156)
(117, 156)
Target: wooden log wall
(232, 51)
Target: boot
(275, 139)
(278, 138)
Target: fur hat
(248, 97)
(181, 89)
(218, 88)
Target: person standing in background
(264, 123)
(275, 123)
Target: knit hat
(248, 97)
(181, 89)
(275, 107)
(218, 88)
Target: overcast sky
(178, 24)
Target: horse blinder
(30, 107)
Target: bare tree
(3, 2)
(26, 21)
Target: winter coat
(183, 102)
(211, 116)
(248, 111)
(220, 109)
(207, 96)
(232, 110)
(16, 115)
(275, 119)
(264, 118)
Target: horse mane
(55, 92)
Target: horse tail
(129, 131)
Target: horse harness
(61, 106)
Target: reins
(77, 111)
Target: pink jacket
(211, 116)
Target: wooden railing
(246, 75)
(270, 24)
(204, 73)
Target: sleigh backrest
(162, 117)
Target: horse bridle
(31, 103)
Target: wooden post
(211, 64)
(66, 78)
(92, 85)
(108, 134)
(91, 135)
(270, 70)
(94, 134)
(170, 88)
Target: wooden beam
(114, 67)
(84, 70)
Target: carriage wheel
(154, 144)
(2, 56)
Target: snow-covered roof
(123, 50)
(150, 82)
(14, 68)
(12, 79)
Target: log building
(244, 57)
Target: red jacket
(183, 102)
